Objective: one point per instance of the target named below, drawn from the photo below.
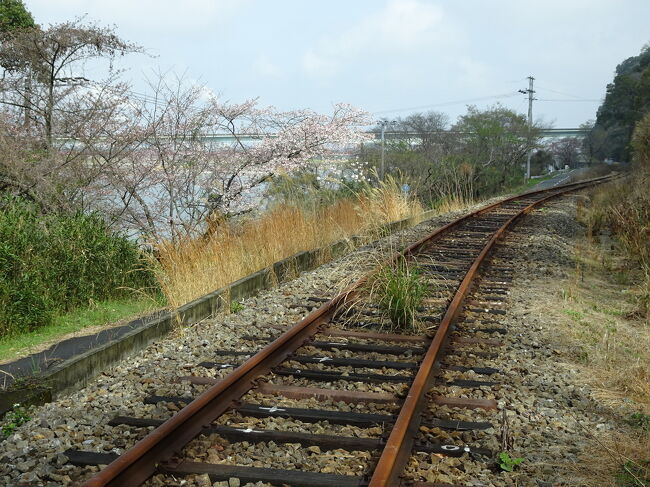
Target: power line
(558, 92)
(447, 103)
(134, 94)
(562, 99)
(519, 80)
(576, 98)
(523, 102)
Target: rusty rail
(399, 443)
(141, 461)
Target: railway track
(384, 380)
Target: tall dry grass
(610, 340)
(612, 337)
(599, 321)
(624, 208)
(454, 203)
(194, 267)
(614, 459)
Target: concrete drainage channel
(70, 364)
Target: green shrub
(55, 263)
(639, 420)
(307, 190)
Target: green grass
(605, 310)
(528, 185)
(236, 307)
(575, 315)
(101, 313)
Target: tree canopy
(44, 69)
(14, 15)
(626, 101)
(483, 152)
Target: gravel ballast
(544, 403)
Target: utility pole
(383, 124)
(529, 92)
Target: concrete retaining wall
(77, 370)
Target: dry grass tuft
(615, 458)
(454, 203)
(194, 267)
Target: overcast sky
(389, 57)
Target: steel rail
(438, 233)
(399, 443)
(140, 462)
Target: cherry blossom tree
(566, 151)
(44, 68)
(96, 131)
(150, 163)
(180, 177)
(53, 116)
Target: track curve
(461, 247)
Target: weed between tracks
(398, 289)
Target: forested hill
(626, 101)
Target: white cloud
(474, 74)
(399, 26)
(407, 22)
(315, 64)
(266, 68)
(155, 16)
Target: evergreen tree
(626, 102)
(14, 15)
